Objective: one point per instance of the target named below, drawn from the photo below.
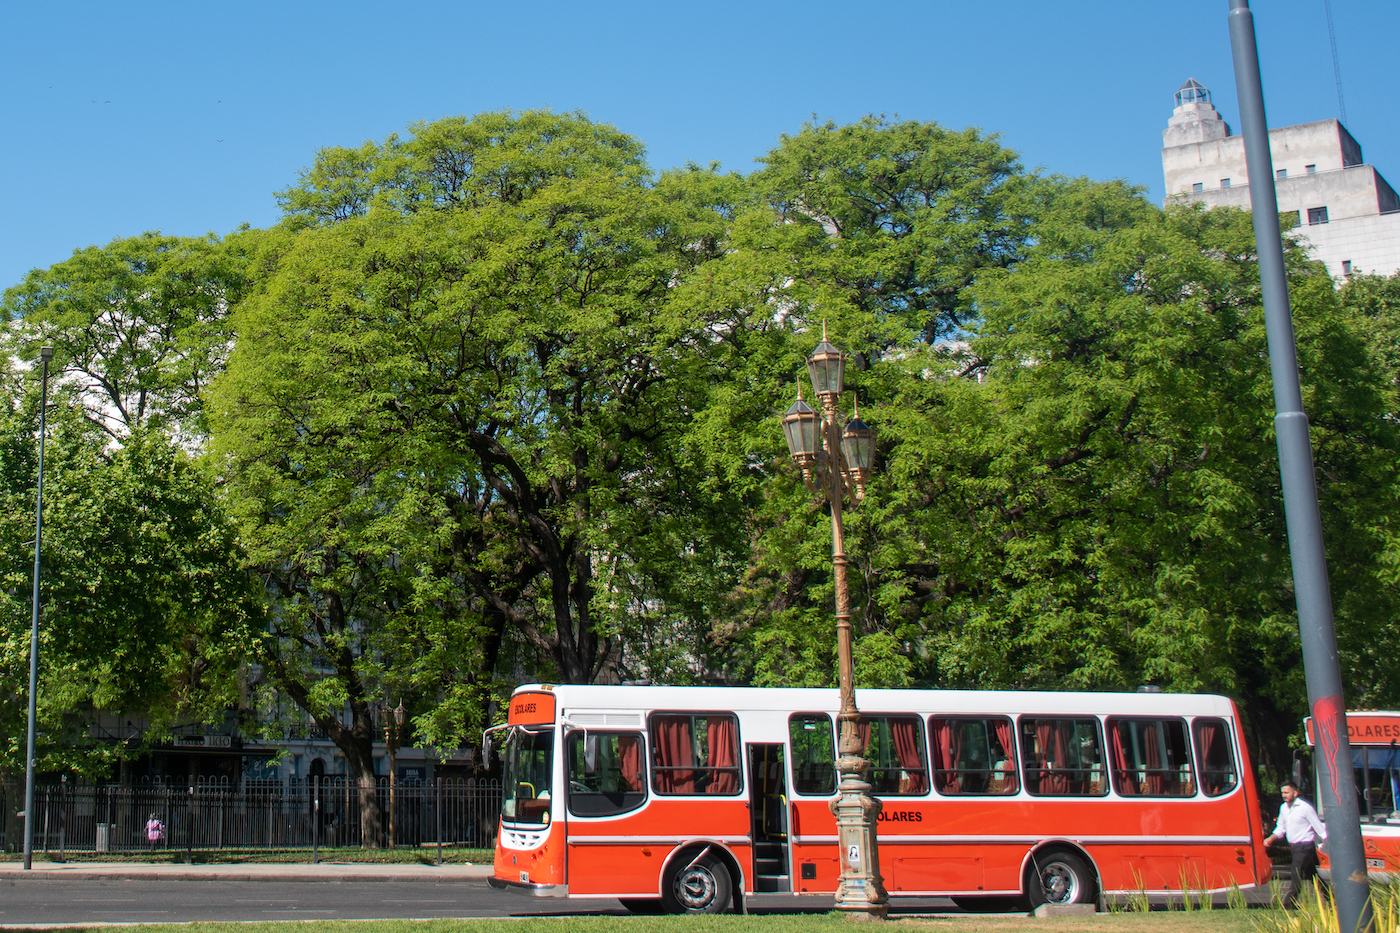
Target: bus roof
(954, 702)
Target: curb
(297, 874)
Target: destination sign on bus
(531, 709)
(1365, 728)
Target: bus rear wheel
(701, 886)
(1065, 878)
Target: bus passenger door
(768, 811)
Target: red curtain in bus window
(947, 752)
(1209, 733)
(630, 748)
(905, 734)
(1122, 777)
(1156, 780)
(1003, 727)
(674, 750)
(1054, 738)
(719, 734)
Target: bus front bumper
(529, 889)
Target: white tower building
(1347, 214)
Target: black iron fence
(259, 815)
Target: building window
(1198, 186)
(1346, 267)
(1317, 215)
(1281, 174)
(1224, 182)
(1310, 169)
(1289, 219)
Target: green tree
(1101, 509)
(144, 605)
(450, 429)
(137, 326)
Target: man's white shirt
(1298, 822)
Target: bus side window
(605, 773)
(695, 753)
(1214, 756)
(1062, 757)
(813, 754)
(1150, 758)
(973, 756)
(894, 746)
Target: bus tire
(1064, 878)
(701, 887)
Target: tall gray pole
(1319, 639)
(45, 354)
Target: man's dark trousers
(1304, 870)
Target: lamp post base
(861, 893)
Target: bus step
(772, 884)
(770, 866)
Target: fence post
(62, 815)
(437, 811)
(189, 827)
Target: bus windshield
(529, 764)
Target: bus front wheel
(1065, 878)
(701, 886)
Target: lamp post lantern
(393, 732)
(45, 354)
(836, 463)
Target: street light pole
(45, 354)
(392, 727)
(1303, 521)
(836, 462)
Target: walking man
(1299, 826)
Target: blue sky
(186, 117)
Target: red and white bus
(686, 799)
(1375, 758)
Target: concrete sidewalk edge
(295, 872)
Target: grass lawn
(1214, 921)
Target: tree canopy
(495, 401)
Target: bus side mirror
(1298, 771)
(590, 754)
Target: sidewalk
(286, 872)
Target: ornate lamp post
(836, 463)
(45, 354)
(393, 730)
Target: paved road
(79, 893)
(31, 901)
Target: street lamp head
(827, 366)
(858, 446)
(45, 353)
(800, 427)
(400, 713)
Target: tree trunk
(356, 743)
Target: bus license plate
(1375, 863)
